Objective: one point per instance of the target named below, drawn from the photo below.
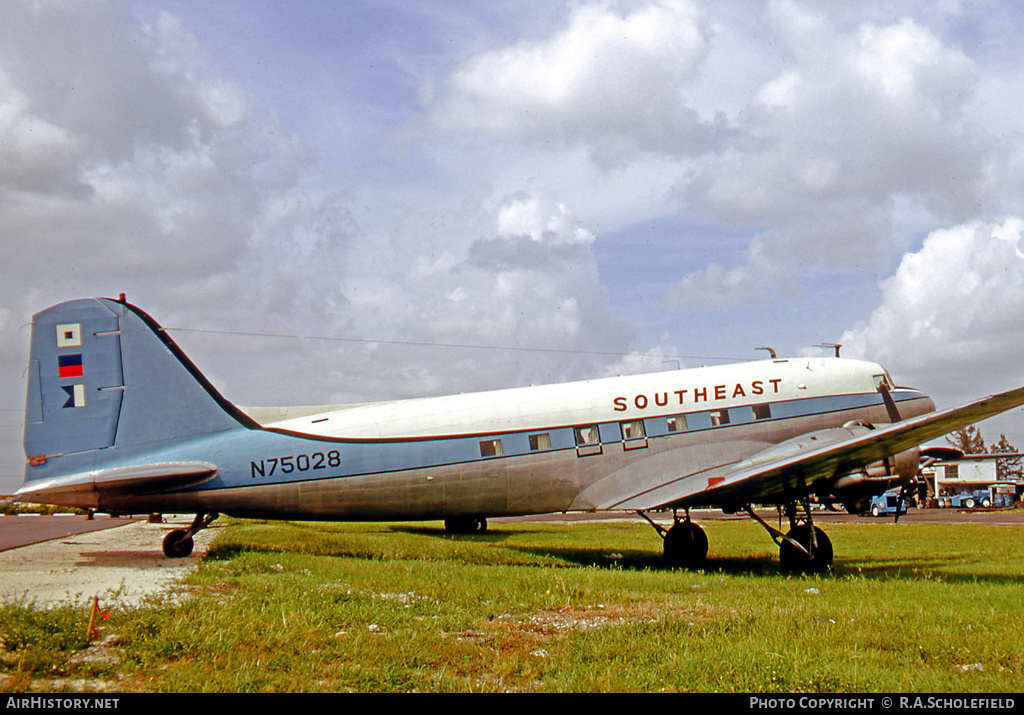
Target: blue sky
(640, 184)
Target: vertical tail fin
(105, 379)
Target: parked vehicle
(1004, 495)
(970, 500)
(887, 503)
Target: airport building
(973, 481)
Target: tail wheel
(686, 545)
(177, 544)
(819, 557)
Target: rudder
(75, 380)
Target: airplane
(119, 419)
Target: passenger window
(762, 412)
(491, 448)
(677, 423)
(719, 417)
(633, 430)
(540, 442)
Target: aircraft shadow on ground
(141, 558)
(621, 559)
(642, 560)
(491, 536)
(917, 569)
(767, 564)
(909, 569)
(922, 569)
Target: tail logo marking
(69, 335)
(76, 396)
(69, 366)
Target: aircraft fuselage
(513, 452)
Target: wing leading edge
(778, 470)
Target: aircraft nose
(911, 402)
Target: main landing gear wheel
(686, 545)
(818, 556)
(805, 547)
(465, 525)
(178, 544)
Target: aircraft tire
(795, 560)
(176, 547)
(686, 545)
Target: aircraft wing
(86, 487)
(784, 469)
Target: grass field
(584, 606)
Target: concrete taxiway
(122, 564)
(25, 529)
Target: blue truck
(1002, 495)
(970, 500)
(886, 503)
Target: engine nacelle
(855, 489)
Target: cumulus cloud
(852, 125)
(859, 121)
(955, 307)
(756, 281)
(611, 80)
(132, 165)
(533, 283)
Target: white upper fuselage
(615, 399)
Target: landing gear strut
(804, 547)
(686, 544)
(178, 544)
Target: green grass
(555, 607)
(13, 508)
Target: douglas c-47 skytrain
(119, 419)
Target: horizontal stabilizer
(85, 488)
